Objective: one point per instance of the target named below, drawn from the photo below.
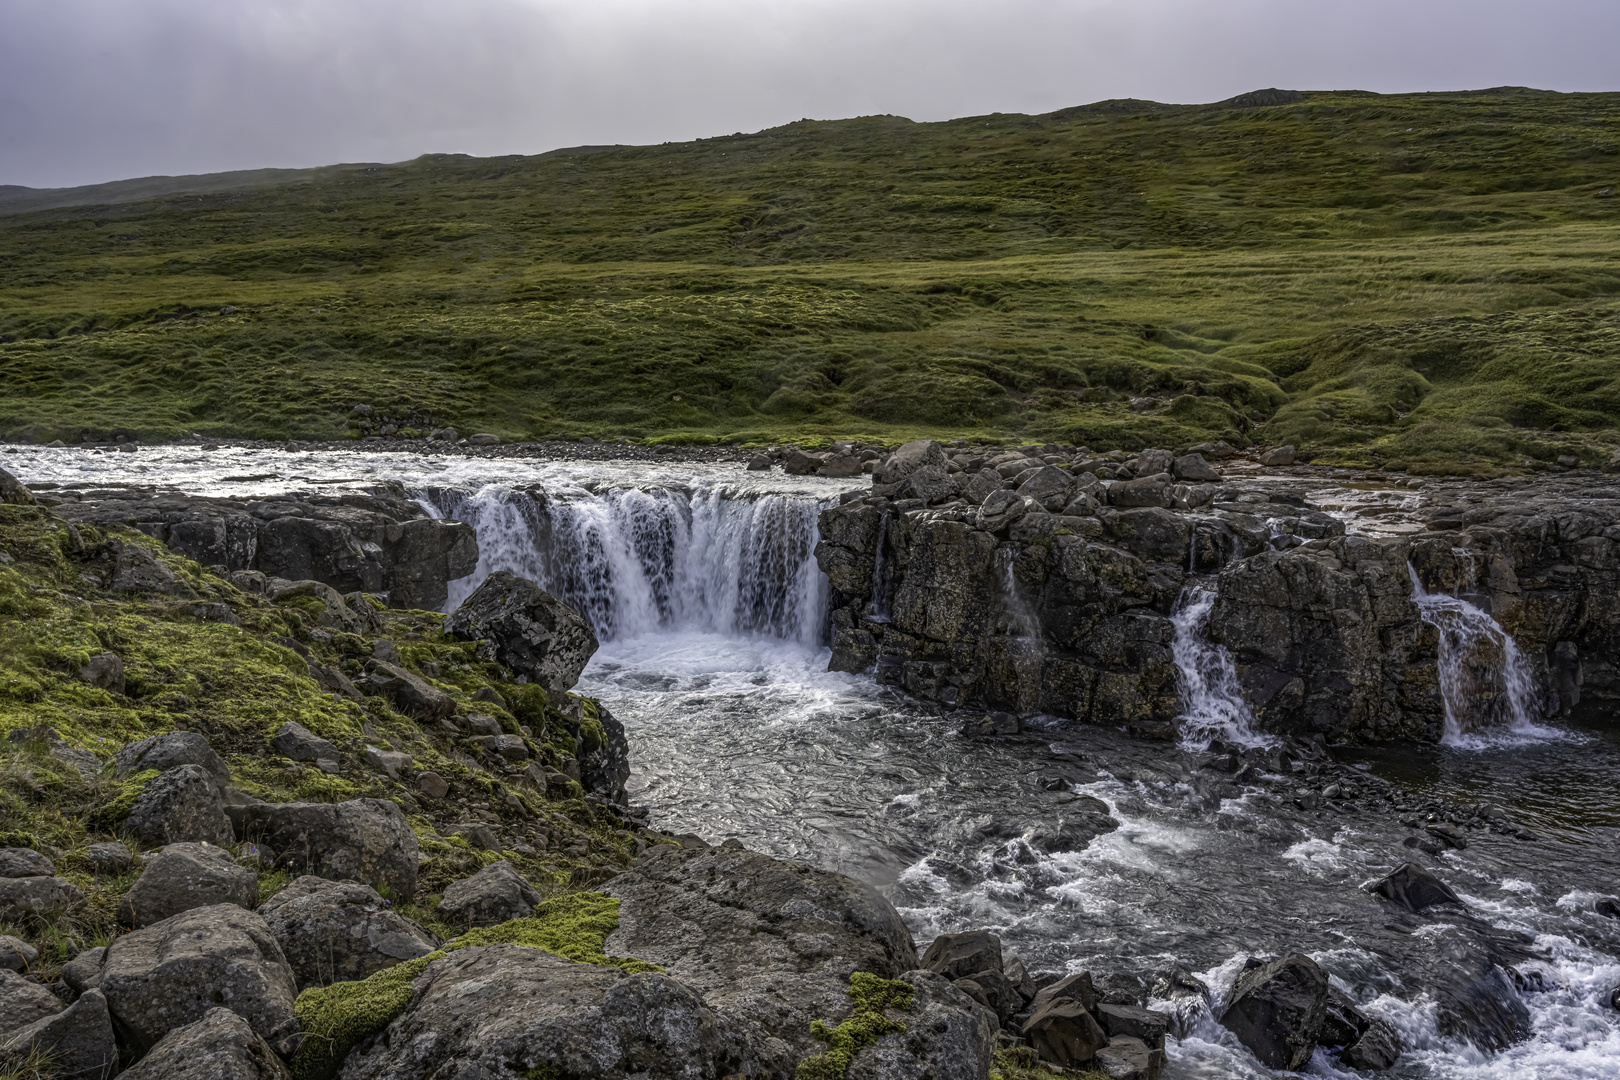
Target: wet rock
(180, 805)
(524, 627)
(365, 840)
(37, 897)
(104, 671)
(170, 974)
(947, 1037)
(841, 466)
(495, 894)
(1018, 977)
(23, 1001)
(1128, 1058)
(221, 1045)
(1193, 467)
(507, 1011)
(1064, 1033)
(1137, 1023)
(339, 931)
(16, 954)
(1378, 1048)
(991, 725)
(1414, 888)
(12, 491)
(293, 740)
(78, 1041)
(1075, 987)
(24, 862)
(410, 693)
(959, 956)
(109, 857)
(1343, 1023)
(1071, 832)
(799, 463)
(1608, 906)
(759, 463)
(999, 995)
(1277, 1010)
(1282, 455)
(768, 944)
(184, 876)
(164, 752)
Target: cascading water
(636, 562)
(1484, 680)
(1021, 620)
(1213, 705)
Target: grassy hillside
(1429, 280)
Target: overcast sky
(95, 90)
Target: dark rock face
(181, 805)
(1414, 888)
(24, 862)
(41, 897)
(526, 628)
(337, 931)
(12, 491)
(1378, 1049)
(78, 1040)
(364, 840)
(507, 1012)
(380, 543)
(172, 973)
(1064, 1033)
(958, 956)
(221, 1044)
(494, 895)
(23, 1001)
(184, 876)
(769, 945)
(605, 769)
(1277, 1010)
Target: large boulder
(220, 1046)
(170, 974)
(508, 1012)
(913, 456)
(340, 931)
(164, 752)
(1413, 888)
(524, 627)
(1277, 1010)
(185, 876)
(12, 491)
(22, 898)
(770, 945)
(181, 805)
(958, 956)
(947, 1036)
(365, 840)
(495, 894)
(1193, 467)
(78, 1041)
(1064, 1033)
(23, 1001)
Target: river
(701, 583)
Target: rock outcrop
(382, 543)
(524, 627)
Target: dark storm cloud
(93, 90)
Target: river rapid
(701, 583)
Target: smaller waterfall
(880, 577)
(1212, 703)
(1021, 620)
(1484, 679)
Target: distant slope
(1424, 279)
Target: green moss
(863, 1027)
(334, 1018)
(118, 799)
(1021, 1063)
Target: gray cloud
(94, 90)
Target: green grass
(1421, 280)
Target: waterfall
(1021, 621)
(638, 561)
(1212, 703)
(1484, 679)
(880, 578)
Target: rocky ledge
(1058, 584)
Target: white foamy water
(1212, 702)
(1490, 693)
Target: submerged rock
(1414, 888)
(1277, 1010)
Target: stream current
(701, 583)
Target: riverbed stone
(519, 624)
(1414, 888)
